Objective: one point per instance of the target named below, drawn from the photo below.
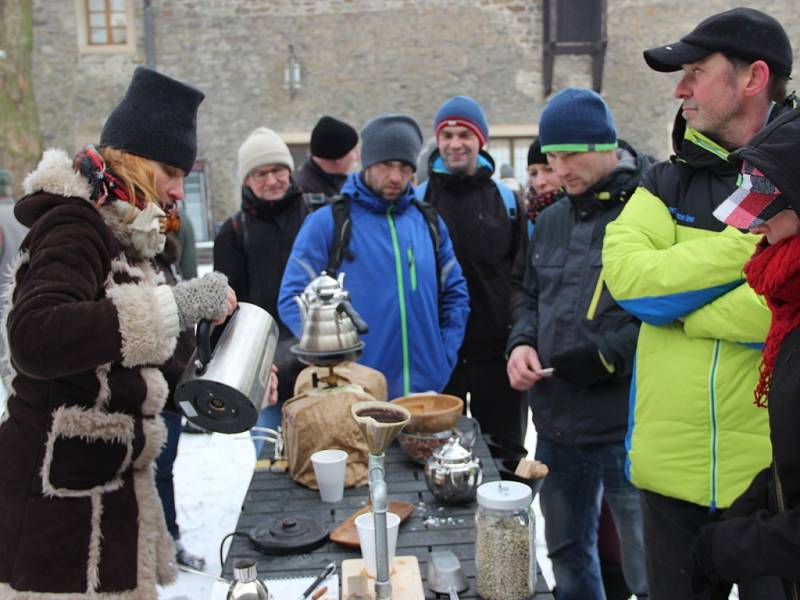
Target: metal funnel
(379, 422)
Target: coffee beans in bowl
(420, 446)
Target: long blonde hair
(135, 172)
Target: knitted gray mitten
(203, 298)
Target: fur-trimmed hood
(54, 179)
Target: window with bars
(106, 22)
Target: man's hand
(524, 368)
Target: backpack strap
(509, 199)
(342, 228)
(239, 224)
(421, 190)
(432, 219)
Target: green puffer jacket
(694, 432)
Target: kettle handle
(359, 323)
(203, 333)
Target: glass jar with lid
(505, 550)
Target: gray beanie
(390, 137)
(263, 147)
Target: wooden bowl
(431, 413)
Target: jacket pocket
(86, 451)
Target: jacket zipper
(401, 296)
(782, 508)
(713, 417)
(413, 269)
(598, 290)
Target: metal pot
(224, 388)
(452, 473)
(331, 325)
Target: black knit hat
(742, 32)
(535, 154)
(157, 119)
(332, 138)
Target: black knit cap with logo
(157, 120)
(332, 138)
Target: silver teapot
(331, 325)
(452, 473)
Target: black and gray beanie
(157, 119)
(390, 137)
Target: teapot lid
(326, 287)
(452, 452)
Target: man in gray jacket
(573, 348)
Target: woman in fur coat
(759, 534)
(90, 323)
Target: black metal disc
(323, 359)
(289, 535)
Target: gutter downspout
(149, 37)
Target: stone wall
(358, 58)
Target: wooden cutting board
(405, 577)
(346, 534)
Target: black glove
(704, 575)
(581, 365)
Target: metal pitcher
(331, 325)
(223, 388)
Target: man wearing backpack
(253, 245)
(489, 232)
(398, 259)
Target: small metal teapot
(331, 325)
(452, 473)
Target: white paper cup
(330, 468)
(366, 537)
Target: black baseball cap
(742, 32)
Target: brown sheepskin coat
(89, 329)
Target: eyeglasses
(279, 172)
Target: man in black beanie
(334, 151)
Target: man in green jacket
(695, 438)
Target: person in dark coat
(253, 245)
(168, 262)
(90, 326)
(759, 534)
(334, 151)
(490, 240)
(574, 347)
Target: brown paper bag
(318, 418)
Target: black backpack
(342, 229)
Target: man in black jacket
(573, 347)
(334, 151)
(253, 245)
(489, 233)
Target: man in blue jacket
(412, 295)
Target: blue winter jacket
(391, 277)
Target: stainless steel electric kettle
(223, 388)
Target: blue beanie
(462, 111)
(577, 120)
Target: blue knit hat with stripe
(462, 111)
(577, 120)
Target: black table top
(432, 526)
